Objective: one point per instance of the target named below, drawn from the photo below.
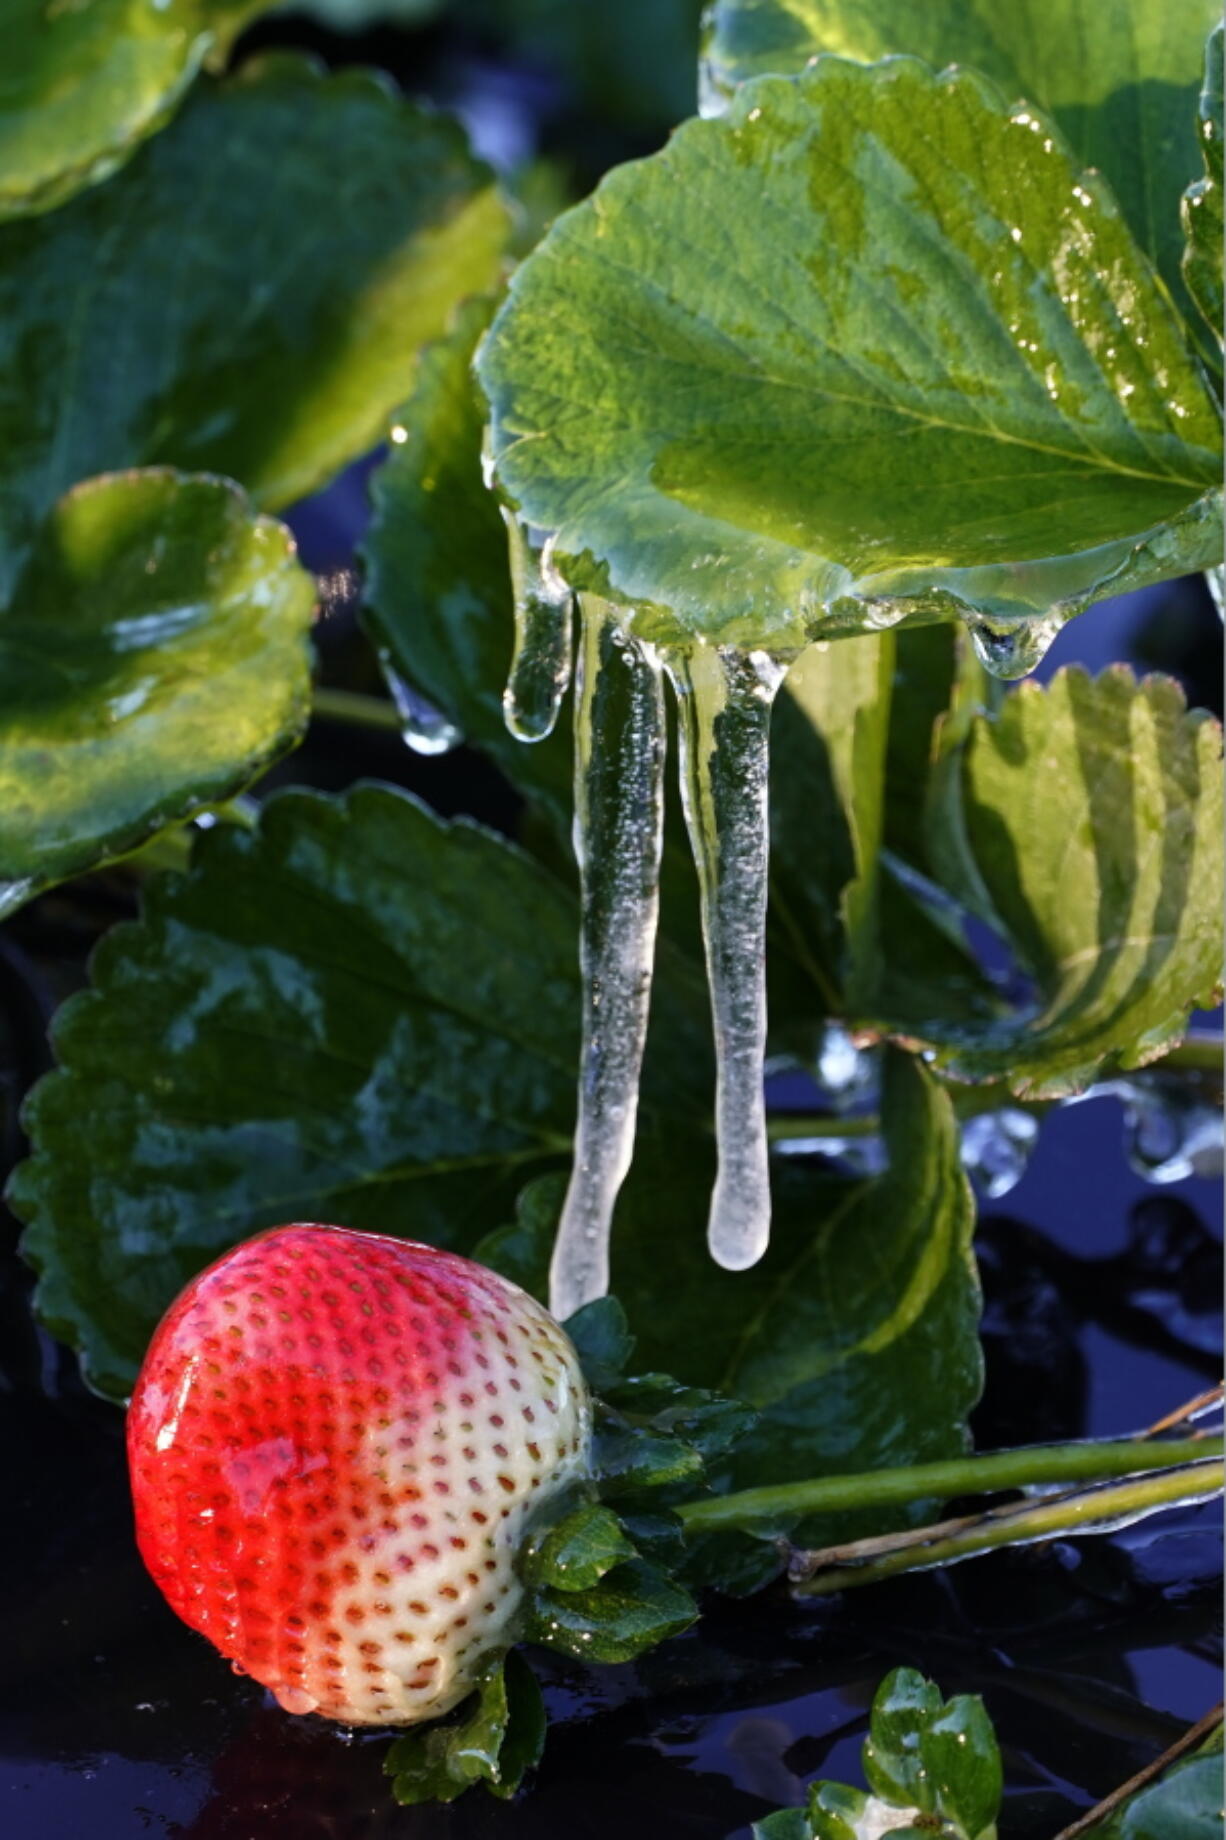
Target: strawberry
(337, 1444)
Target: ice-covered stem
(1100, 1509)
(1034, 1465)
(724, 699)
(619, 777)
(540, 662)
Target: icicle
(724, 701)
(619, 764)
(425, 728)
(540, 666)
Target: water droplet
(620, 741)
(425, 729)
(996, 1148)
(540, 666)
(294, 1699)
(1012, 648)
(724, 700)
(1173, 1127)
(847, 1073)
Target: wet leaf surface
(153, 660)
(747, 422)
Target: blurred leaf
(1120, 76)
(353, 1013)
(85, 84)
(633, 1608)
(438, 602)
(1202, 203)
(1084, 821)
(246, 297)
(153, 660)
(765, 464)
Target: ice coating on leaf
(724, 700)
(619, 764)
(540, 664)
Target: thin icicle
(540, 664)
(724, 700)
(619, 773)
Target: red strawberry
(336, 1442)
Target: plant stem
(994, 1471)
(1194, 1735)
(1095, 1510)
(352, 706)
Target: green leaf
(627, 1460)
(904, 405)
(1184, 1804)
(1120, 76)
(153, 660)
(438, 603)
(1202, 202)
(225, 303)
(1084, 821)
(354, 1013)
(633, 1608)
(575, 1553)
(493, 1737)
(602, 1340)
(706, 1421)
(84, 85)
(786, 1824)
(904, 1707)
(934, 1759)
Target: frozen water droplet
(540, 665)
(1173, 1127)
(1012, 648)
(619, 772)
(13, 894)
(425, 729)
(724, 700)
(848, 1074)
(996, 1148)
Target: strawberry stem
(1036, 1465)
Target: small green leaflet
(576, 1552)
(246, 297)
(85, 84)
(934, 1759)
(153, 660)
(1120, 76)
(1084, 821)
(779, 381)
(634, 1607)
(493, 1738)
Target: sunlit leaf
(85, 84)
(1202, 204)
(246, 297)
(1120, 76)
(153, 659)
(1084, 821)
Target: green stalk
(353, 707)
(1096, 1510)
(1037, 1465)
